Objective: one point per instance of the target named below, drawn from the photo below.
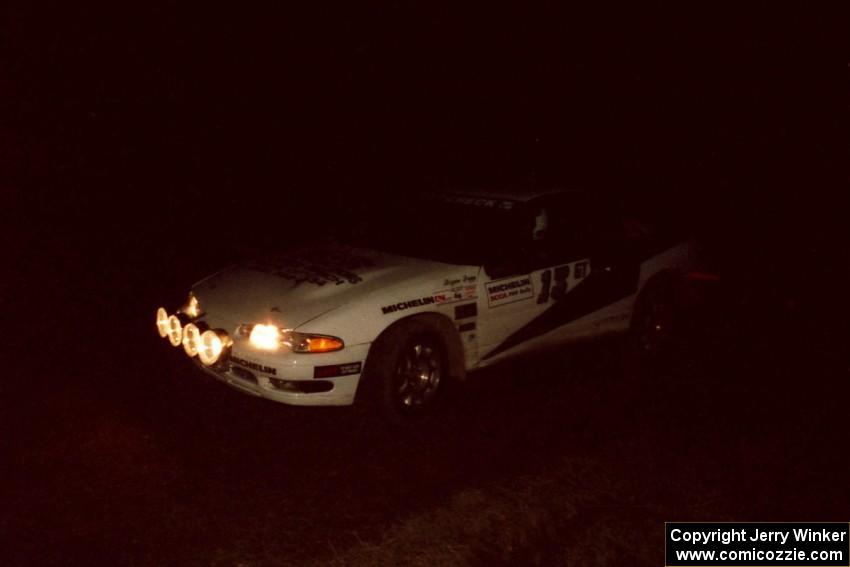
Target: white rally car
(451, 282)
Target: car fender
(446, 329)
(363, 320)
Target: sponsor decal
(438, 298)
(455, 294)
(506, 291)
(253, 365)
(466, 311)
(402, 305)
(337, 370)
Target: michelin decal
(460, 293)
(506, 291)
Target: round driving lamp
(175, 330)
(162, 322)
(211, 346)
(191, 339)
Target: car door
(590, 230)
(518, 309)
(514, 294)
(578, 271)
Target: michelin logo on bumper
(507, 291)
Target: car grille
(243, 374)
(302, 386)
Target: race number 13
(553, 285)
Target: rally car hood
(290, 290)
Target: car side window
(511, 247)
(577, 228)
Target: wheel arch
(444, 326)
(686, 293)
(663, 277)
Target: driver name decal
(502, 292)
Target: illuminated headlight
(162, 322)
(265, 337)
(191, 339)
(175, 330)
(271, 338)
(211, 345)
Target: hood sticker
(471, 200)
(321, 268)
(506, 291)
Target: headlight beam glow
(265, 337)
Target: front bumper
(291, 378)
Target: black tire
(406, 371)
(655, 330)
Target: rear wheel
(654, 327)
(654, 331)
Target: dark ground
(139, 147)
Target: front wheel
(406, 371)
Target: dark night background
(142, 147)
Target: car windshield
(455, 230)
